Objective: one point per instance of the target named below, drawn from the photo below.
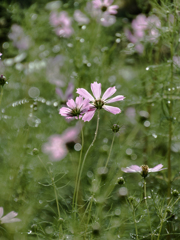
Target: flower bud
(96, 228)
(121, 180)
(2, 80)
(35, 151)
(175, 193)
(115, 128)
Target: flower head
(75, 109)
(143, 170)
(8, 218)
(62, 24)
(105, 6)
(144, 29)
(98, 102)
(20, 40)
(56, 147)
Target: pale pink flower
(68, 93)
(143, 170)
(0, 55)
(8, 218)
(145, 29)
(98, 102)
(105, 6)
(107, 20)
(62, 24)
(17, 35)
(75, 109)
(80, 17)
(56, 147)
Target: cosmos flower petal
(96, 90)
(157, 168)
(85, 94)
(113, 110)
(60, 93)
(1, 211)
(132, 169)
(89, 115)
(71, 104)
(115, 99)
(10, 217)
(69, 91)
(79, 102)
(108, 93)
(64, 111)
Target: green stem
(110, 151)
(145, 198)
(170, 128)
(134, 217)
(79, 166)
(1, 94)
(56, 196)
(84, 159)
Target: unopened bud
(96, 228)
(175, 193)
(2, 80)
(35, 151)
(115, 128)
(121, 180)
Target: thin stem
(85, 156)
(1, 94)
(55, 191)
(145, 198)
(134, 217)
(110, 151)
(79, 166)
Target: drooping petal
(96, 90)
(1, 212)
(89, 115)
(10, 220)
(157, 168)
(113, 9)
(85, 94)
(71, 104)
(113, 110)
(108, 93)
(71, 134)
(115, 99)
(131, 169)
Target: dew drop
(118, 40)
(154, 135)
(129, 151)
(147, 69)
(147, 123)
(29, 232)
(77, 146)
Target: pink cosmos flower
(68, 94)
(20, 40)
(56, 147)
(62, 24)
(8, 218)
(98, 102)
(143, 170)
(75, 109)
(80, 17)
(105, 6)
(144, 29)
